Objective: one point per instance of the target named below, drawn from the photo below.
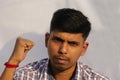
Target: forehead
(67, 36)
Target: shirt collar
(75, 74)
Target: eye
(73, 43)
(57, 39)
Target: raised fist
(21, 48)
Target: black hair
(71, 21)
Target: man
(66, 42)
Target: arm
(22, 47)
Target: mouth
(61, 60)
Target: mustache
(61, 57)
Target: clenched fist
(21, 48)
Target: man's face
(64, 49)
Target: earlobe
(47, 35)
(84, 49)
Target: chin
(61, 67)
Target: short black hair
(71, 21)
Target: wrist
(9, 65)
(13, 60)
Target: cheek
(75, 54)
(52, 48)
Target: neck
(63, 74)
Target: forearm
(8, 74)
(22, 46)
(9, 70)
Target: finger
(29, 44)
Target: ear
(47, 35)
(84, 48)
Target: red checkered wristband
(8, 65)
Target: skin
(64, 49)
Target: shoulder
(37, 64)
(88, 72)
(33, 68)
(34, 65)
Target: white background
(31, 18)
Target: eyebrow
(58, 38)
(62, 40)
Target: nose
(63, 48)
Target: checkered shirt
(39, 71)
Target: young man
(66, 42)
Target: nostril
(60, 52)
